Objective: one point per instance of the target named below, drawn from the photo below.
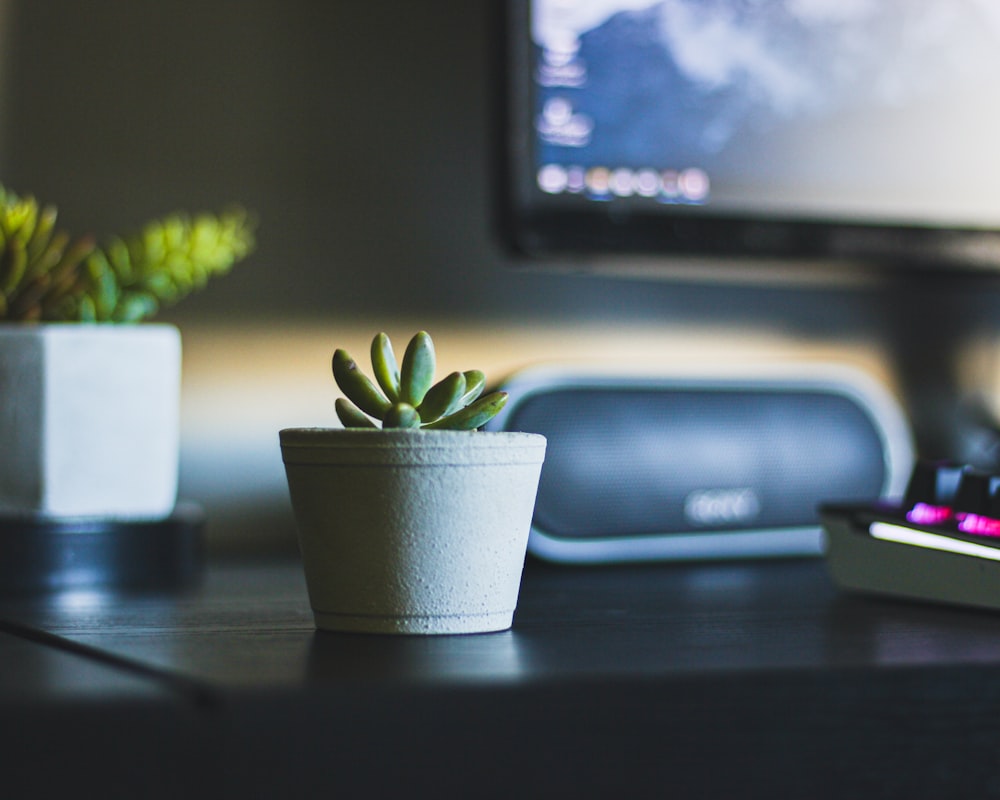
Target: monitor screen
(854, 130)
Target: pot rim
(40, 330)
(396, 437)
(340, 445)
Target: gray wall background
(361, 133)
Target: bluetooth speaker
(730, 464)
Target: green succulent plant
(47, 276)
(404, 394)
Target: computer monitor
(851, 132)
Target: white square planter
(89, 420)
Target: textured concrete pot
(412, 531)
(89, 420)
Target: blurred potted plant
(89, 422)
(410, 519)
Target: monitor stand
(930, 322)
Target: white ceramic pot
(412, 531)
(89, 420)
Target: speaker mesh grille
(627, 462)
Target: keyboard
(940, 543)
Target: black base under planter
(51, 555)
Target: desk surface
(712, 678)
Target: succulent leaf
(137, 306)
(351, 416)
(473, 416)
(475, 382)
(42, 235)
(14, 266)
(356, 385)
(48, 257)
(385, 367)
(417, 373)
(443, 397)
(401, 415)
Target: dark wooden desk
(719, 681)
